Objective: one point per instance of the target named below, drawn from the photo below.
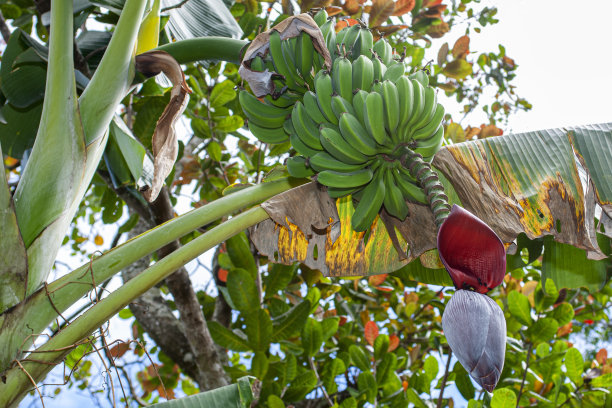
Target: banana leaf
(239, 395)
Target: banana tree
(499, 180)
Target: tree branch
(518, 398)
(6, 32)
(440, 397)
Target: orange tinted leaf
(490, 130)
(384, 288)
(333, 10)
(433, 12)
(119, 349)
(393, 342)
(455, 132)
(98, 240)
(380, 12)
(10, 161)
(404, 385)
(402, 7)
(442, 54)
(390, 29)
(602, 356)
(438, 30)
(351, 7)
(564, 330)
(509, 62)
(431, 259)
(461, 47)
(376, 280)
(342, 321)
(371, 332)
(431, 3)
(470, 132)
(222, 274)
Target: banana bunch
(349, 125)
(351, 129)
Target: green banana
(359, 103)
(335, 145)
(270, 136)
(324, 161)
(429, 108)
(301, 147)
(406, 100)
(348, 39)
(431, 127)
(384, 50)
(394, 71)
(391, 105)
(371, 201)
(335, 192)
(410, 191)
(342, 74)
(418, 96)
(305, 56)
(285, 100)
(296, 166)
(394, 198)
(258, 64)
(340, 179)
(324, 90)
(289, 50)
(329, 34)
(363, 45)
(363, 73)
(373, 113)
(284, 65)
(379, 68)
(355, 135)
(263, 115)
(312, 107)
(427, 148)
(305, 128)
(321, 17)
(421, 76)
(341, 105)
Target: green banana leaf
(520, 183)
(239, 395)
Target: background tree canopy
(304, 338)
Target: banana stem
(429, 181)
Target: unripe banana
(359, 104)
(379, 68)
(363, 45)
(384, 50)
(363, 73)
(394, 71)
(258, 64)
(430, 128)
(421, 76)
(347, 41)
(394, 199)
(284, 100)
(418, 96)
(270, 136)
(324, 91)
(312, 108)
(305, 54)
(263, 115)
(300, 146)
(341, 192)
(429, 108)
(335, 145)
(328, 30)
(321, 17)
(391, 106)
(406, 100)
(340, 179)
(284, 66)
(410, 191)
(342, 78)
(370, 203)
(355, 135)
(341, 105)
(429, 147)
(296, 166)
(324, 161)
(306, 129)
(374, 116)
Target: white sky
(561, 48)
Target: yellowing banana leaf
(524, 183)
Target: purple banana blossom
(475, 329)
(471, 251)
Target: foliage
(308, 338)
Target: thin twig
(33, 382)
(518, 398)
(6, 32)
(446, 372)
(314, 369)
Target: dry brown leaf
(390, 29)
(165, 143)
(351, 7)
(402, 7)
(489, 131)
(461, 47)
(261, 82)
(438, 30)
(381, 10)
